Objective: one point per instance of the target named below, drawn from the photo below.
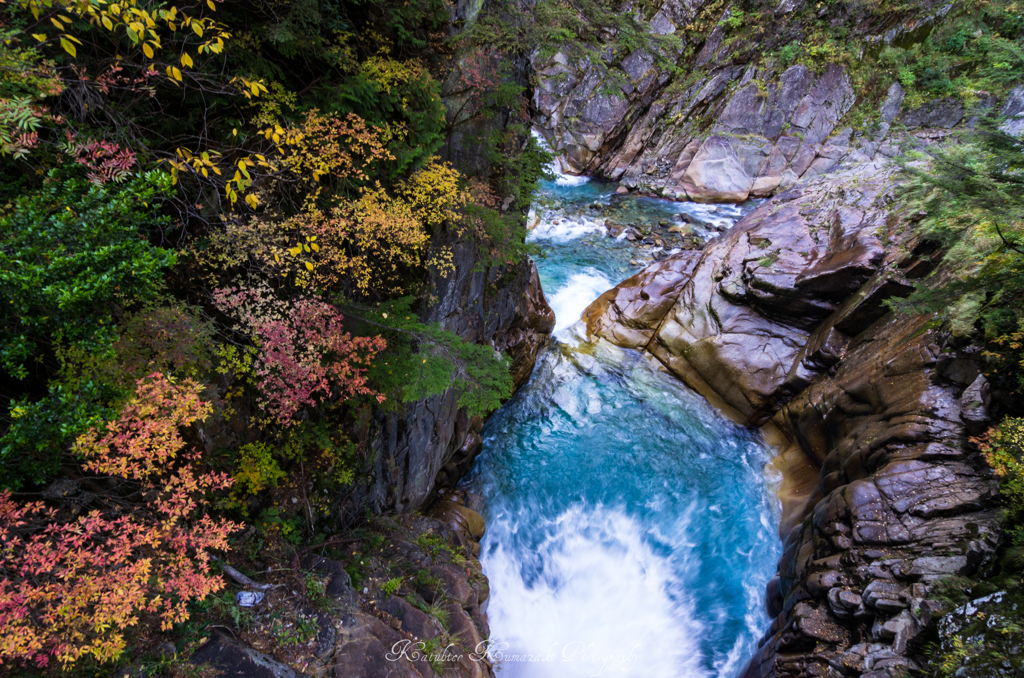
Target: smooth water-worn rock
(739, 327)
(784, 317)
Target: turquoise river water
(631, 527)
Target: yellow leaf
(276, 139)
(107, 23)
(295, 251)
(252, 201)
(147, 50)
(59, 25)
(234, 131)
(254, 89)
(186, 60)
(306, 247)
(115, 8)
(309, 266)
(197, 28)
(211, 5)
(39, 36)
(316, 248)
(175, 73)
(68, 47)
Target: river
(631, 527)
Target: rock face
(782, 318)
(430, 443)
(408, 450)
(738, 328)
(731, 127)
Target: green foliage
(72, 254)
(257, 469)
(972, 195)
(423, 359)
(391, 586)
(579, 29)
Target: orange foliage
(72, 588)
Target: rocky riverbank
(782, 321)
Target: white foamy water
(561, 178)
(569, 301)
(596, 600)
(562, 229)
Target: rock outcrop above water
(433, 441)
(746, 326)
(783, 319)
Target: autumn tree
(74, 586)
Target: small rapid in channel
(631, 527)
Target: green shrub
(72, 254)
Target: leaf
(147, 50)
(39, 36)
(309, 266)
(295, 251)
(107, 23)
(68, 47)
(252, 201)
(186, 60)
(254, 89)
(197, 28)
(175, 73)
(59, 25)
(211, 5)
(316, 248)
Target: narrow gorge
(515, 338)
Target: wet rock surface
(782, 318)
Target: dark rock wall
(432, 442)
(782, 319)
(427, 445)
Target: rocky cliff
(731, 122)
(782, 320)
(431, 443)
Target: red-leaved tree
(304, 355)
(73, 586)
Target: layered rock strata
(782, 320)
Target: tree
(73, 586)
(972, 194)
